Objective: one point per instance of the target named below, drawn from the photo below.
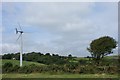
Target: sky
(57, 27)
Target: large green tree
(101, 47)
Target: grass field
(16, 62)
(47, 75)
(52, 75)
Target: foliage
(40, 58)
(70, 67)
(7, 65)
(36, 62)
(17, 62)
(101, 47)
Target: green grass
(47, 75)
(112, 57)
(0, 63)
(81, 58)
(17, 62)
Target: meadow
(58, 74)
(25, 63)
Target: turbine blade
(18, 37)
(19, 26)
(16, 30)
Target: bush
(8, 65)
(15, 68)
(112, 69)
(24, 69)
(67, 68)
(82, 62)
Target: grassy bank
(17, 62)
(47, 75)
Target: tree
(47, 54)
(101, 47)
(69, 55)
(7, 56)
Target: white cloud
(60, 0)
(65, 27)
(10, 48)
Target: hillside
(79, 65)
(76, 60)
(16, 62)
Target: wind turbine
(21, 42)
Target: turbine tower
(21, 42)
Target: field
(16, 62)
(52, 75)
(47, 75)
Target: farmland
(16, 62)
(62, 71)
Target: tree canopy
(101, 47)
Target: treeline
(40, 58)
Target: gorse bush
(15, 68)
(25, 69)
(8, 65)
(67, 68)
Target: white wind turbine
(21, 42)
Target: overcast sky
(61, 28)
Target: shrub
(15, 68)
(24, 69)
(8, 65)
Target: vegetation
(16, 62)
(76, 66)
(39, 57)
(101, 47)
(61, 66)
(59, 76)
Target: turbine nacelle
(18, 31)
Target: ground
(47, 75)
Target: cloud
(54, 15)
(10, 48)
(61, 1)
(0, 27)
(62, 28)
